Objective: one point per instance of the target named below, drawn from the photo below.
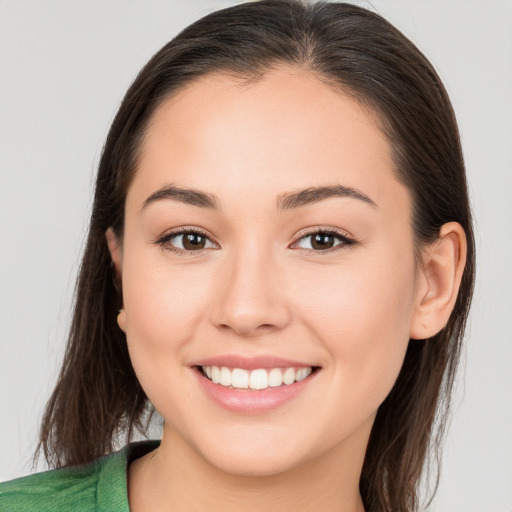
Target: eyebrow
(285, 201)
(183, 195)
(311, 195)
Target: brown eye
(186, 241)
(320, 241)
(193, 241)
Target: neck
(175, 478)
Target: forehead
(286, 130)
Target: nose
(251, 299)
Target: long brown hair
(98, 397)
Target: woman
(280, 261)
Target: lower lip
(252, 402)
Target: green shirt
(100, 486)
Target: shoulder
(56, 490)
(95, 487)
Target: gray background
(64, 66)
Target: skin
(258, 288)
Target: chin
(254, 465)
(255, 455)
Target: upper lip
(250, 363)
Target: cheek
(361, 313)
(161, 298)
(163, 310)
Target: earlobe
(439, 280)
(121, 320)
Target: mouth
(258, 379)
(254, 384)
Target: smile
(255, 380)
(255, 384)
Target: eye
(186, 240)
(323, 240)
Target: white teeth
(289, 376)
(302, 374)
(225, 377)
(256, 379)
(275, 378)
(215, 374)
(240, 378)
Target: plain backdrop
(64, 67)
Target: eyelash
(344, 240)
(165, 240)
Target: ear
(116, 253)
(115, 249)
(439, 278)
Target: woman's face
(267, 239)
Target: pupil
(193, 241)
(321, 241)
